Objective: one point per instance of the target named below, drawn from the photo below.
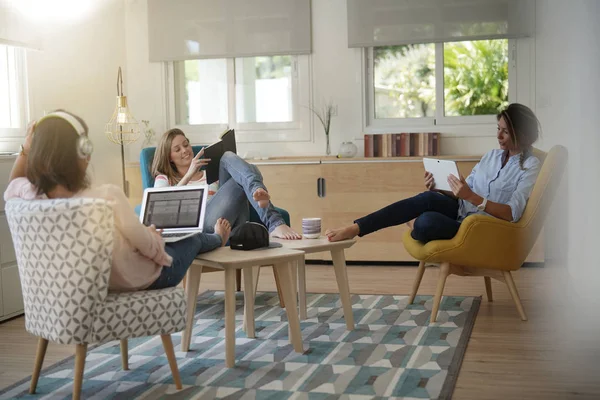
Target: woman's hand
(196, 164)
(459, 187)
(154, 231)
(429, 182)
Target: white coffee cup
(311, 228)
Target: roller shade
(16, 29)
(395, 22)
(196, 29)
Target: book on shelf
(402, 144)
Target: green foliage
(476, 77)
(191, 71)
(273, 67)
(405, 81)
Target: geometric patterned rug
(393, 353)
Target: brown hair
(523, 127)
(162, 158)
(53, 158)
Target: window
(13, 93)
(433, 84)
(264, 98)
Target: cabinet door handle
(321, 187)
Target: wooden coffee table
(229, 260)
(339, 265)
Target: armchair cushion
(136, 314)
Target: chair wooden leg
(514, 293)
(184, 281)
(170, 352)
(278, 284)
(488, 288)
(417, 282)
(444, 272)
(191, 291)
(124, 355)
(39, 360)
(80, 353)
(238, 280)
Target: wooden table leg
(284, 271)
(302, 289)
(339, 266)
(191, 291)
(249, 303)
(230, 317)
(294, 271)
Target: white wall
(77, 71)
(568, 84)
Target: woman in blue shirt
(499, 185)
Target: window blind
(396, 22)
(197, 29)
(15, 28)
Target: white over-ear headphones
(85, 147)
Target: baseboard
(400, 263)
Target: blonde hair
(162, 165)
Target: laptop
(177, 210)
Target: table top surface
(314, 245)
(225, 256)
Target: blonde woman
(239, 183)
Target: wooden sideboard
(350, 188)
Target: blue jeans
(183, 253)
(435, 215)
(238, 180)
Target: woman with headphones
(52, 164)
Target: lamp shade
(122, 128)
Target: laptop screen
(174, 209)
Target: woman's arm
(19, 168)
(498, 210)
(144, 239)
(461, 189)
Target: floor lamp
(122, 128)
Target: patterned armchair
(64, 250)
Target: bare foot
(348, 232)
(285, 232)
(262, 197)
(223, 229)
(410, 224)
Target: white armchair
(64, 250)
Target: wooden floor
(555, 355)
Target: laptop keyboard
(167, 235)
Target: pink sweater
(138, 253)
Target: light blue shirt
(509, 185)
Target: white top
(163, 181)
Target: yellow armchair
(491, 247)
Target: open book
(215, 151)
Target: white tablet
(441, 169)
